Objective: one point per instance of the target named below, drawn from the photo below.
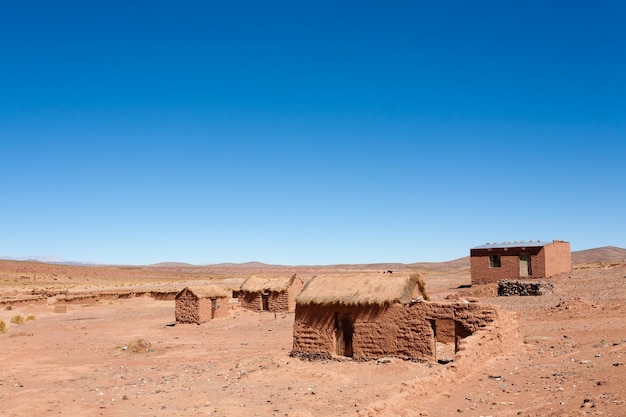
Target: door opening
(344, 329)
(524, 265)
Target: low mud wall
(499, 337)
(408, 331)
(25, 299)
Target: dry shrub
(9, 307)
(422, 286)
(31, 317)
(139, 346)
(3, 327)
(19, 319)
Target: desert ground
(121, 355)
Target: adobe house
(270, 294)
(381, 315)
(199, 304)
(539, 259)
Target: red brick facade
(491, 263)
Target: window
(494, 261)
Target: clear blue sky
(309, 132)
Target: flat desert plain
(124, 357)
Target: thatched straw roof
(205, 291)
(262, 284)
(379, 289)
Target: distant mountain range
(50, 259)
(602, 254)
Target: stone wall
(512, 287)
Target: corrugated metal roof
(516, 244)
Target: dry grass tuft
(358, 289)
(9, 307)
(139, 346)
(19, 319)
(421, 285)
(272, 284)
(3, 327)
(31, 317)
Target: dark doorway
(265, 302)
(344, 329)
(433, 325)
(445, 339)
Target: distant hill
(454, 265)
(603, 254)
(50, 259)
(170, 265)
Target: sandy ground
(120, 358)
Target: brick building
(514, 260)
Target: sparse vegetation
(3, 327)
(422, 286)
(138, 346)
(19, 319)
(31, 317)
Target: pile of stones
(508, 288)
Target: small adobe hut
(493, 262)
(370, 317)
(270, 294)
(199, 304)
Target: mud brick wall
(278, 301)
(510, 287)
(313, 330)
(187, 308)
(222, 308)
(559, 258)
(251, 301)
(292, 293)
(404, 331)
(190, 309)
(285, 301)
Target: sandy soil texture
(123, 357)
